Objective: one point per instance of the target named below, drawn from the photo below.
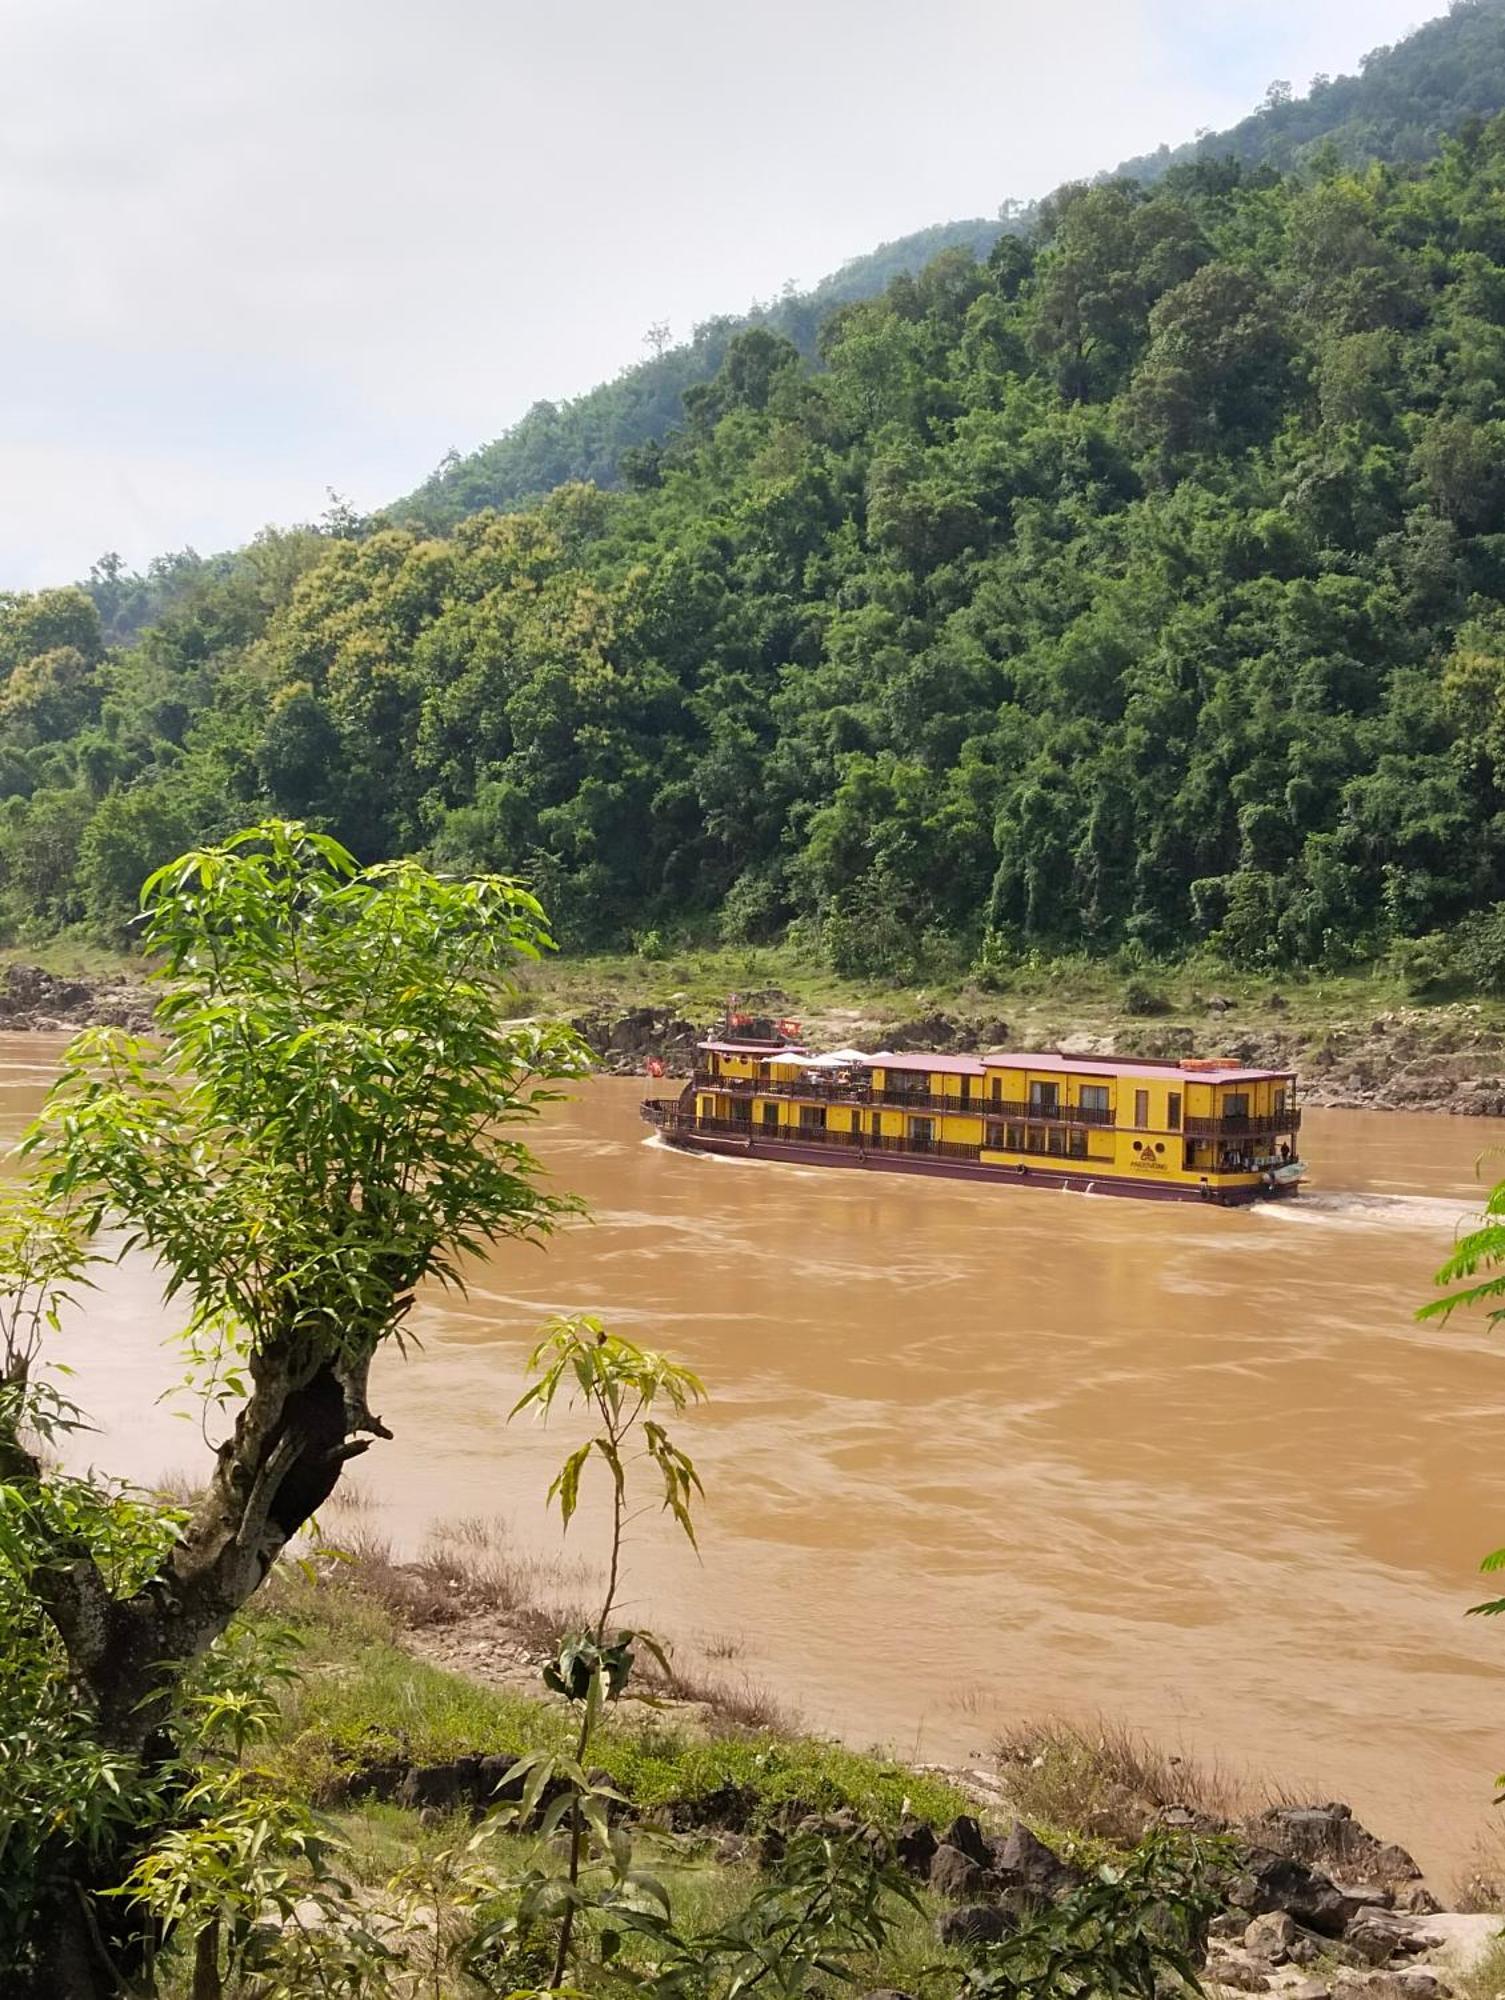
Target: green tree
(325, 1118)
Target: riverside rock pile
(33, 999)
(1314, 1907)
(1440, 1059)
(626, 1042)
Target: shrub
(1142, 1000)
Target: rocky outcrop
(32, 998)
(1439, 1059)
(626, 1042)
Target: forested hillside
(1142, 585)
(587, 437)
(1398, 109)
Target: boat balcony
(1279, 1126)
(669, 1117)
(817, 1089)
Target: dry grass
(723, 1646)
(361, 1564)
(465, 1570)
(737, 1702)
(1106, 1780)
(177, 1488)
(468, 1570)
(1480, 1888)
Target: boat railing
(1276, 1126)
(822, 1090)
(830, 1091)
(812, 1135)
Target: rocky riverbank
(32, 999)
(1309, 1904)
(1449, 1059)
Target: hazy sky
(252, 252)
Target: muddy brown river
(979, 1453)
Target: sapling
(621, 1385)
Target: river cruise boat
(1197, 1130)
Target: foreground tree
(320, 1123)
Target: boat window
(813, 1115)
(1093, 1096)
(1236, 1104)
(1058, 1139)
(1014, 1139)
(1141, 1108)
(994, 1137)
(909, 1082)
(921, 1131)
(1078, 1145)
(998, 1090)
(770, 1115)
(1034, 1139)
(1173, 1110)
(1280, 1101)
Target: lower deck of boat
(683, 1135)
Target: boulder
(1380, 1935)
(965, 1833)
(975, 1923)
(1417, 1900)
(957, 1877)
(915, 1845)
(1024, 1862)
(931, 1031)
(446, 1787)
(1239, 1974)
(1280, 1882)
(1413, 1983)
(1269, 1937)
(1331, 1837)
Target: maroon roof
(1046, 1061)
(935, 1065)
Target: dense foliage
(1402, 103)
(589, 436)
(323, 1120)
(1405, 100)
(1140, 585)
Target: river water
(980, 1453)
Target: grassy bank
(1039, 997)
(1360, 1037)
(362, 1697)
